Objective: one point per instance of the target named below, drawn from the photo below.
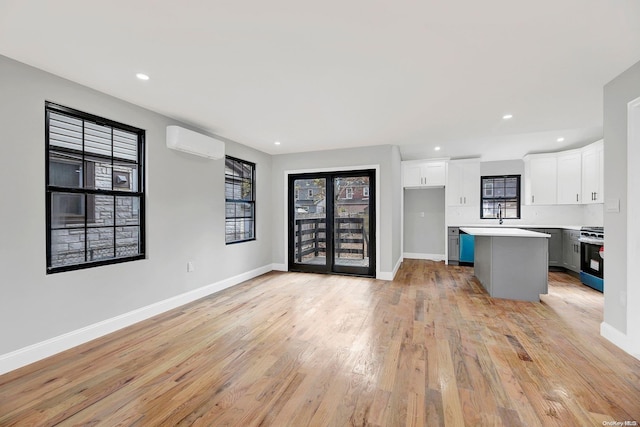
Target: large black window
(95, 192)
(239, 189)
(500, 194)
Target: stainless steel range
(592, 257)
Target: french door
(332, 222)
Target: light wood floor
(430, 348)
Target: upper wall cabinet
(570, 177)
(565, 178)
(424, 173)
(593, 173)
(540, 179)
(463, 182)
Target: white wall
(622, 289)
(184, 218)
(384, 156)
(424, 222)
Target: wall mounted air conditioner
(191, 142)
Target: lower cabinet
(555, 245)
(453, 235)
(571, 250)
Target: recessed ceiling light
(277, 143)
(142, 76)
(560, 139)
(437, 148)
(507, 116)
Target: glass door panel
(310, 221)
(351, 223)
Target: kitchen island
(511, 263)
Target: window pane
(65, 131)
(125, 177)
(67, 247)
(100, 243)
(67, 209)
(102, 173)
(127, 241)
(65, 171)
(103, 210)
(125, 145)
(97, 139)
(127, 210)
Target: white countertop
(502, 232)
(495, 225)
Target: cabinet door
(434, 173)
(454, 248)
(571, 250)
(592, 174)
(463, 186)
(555, 247)
(541, 175)
(411, 176)
(569, 178)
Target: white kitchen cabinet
(417, 174)
(593, 173)
(569, 177)
(463, 182)
(540, 179)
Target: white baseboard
(390, 275)
(41, 350)
(279, 267)
(432, 257)
(619, 339)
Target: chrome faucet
(500, 213)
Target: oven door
(591, 262)
(591, 265)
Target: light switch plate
(612, 205)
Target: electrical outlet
(190, 266)
(421, 214)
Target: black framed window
(94, 190)
(500, 194)
(239, 189)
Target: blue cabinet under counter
(466, 248)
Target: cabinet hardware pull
(532, 198)
(576, 197)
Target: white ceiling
(346, 73)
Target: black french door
(332, 222)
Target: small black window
(94, 187)
(500, 194)
(240, 216)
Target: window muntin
(92, 217)
(500, 193)
(239, 178)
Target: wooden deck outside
(293, 349)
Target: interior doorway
(332, 222)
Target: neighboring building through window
(500, 194)
(240, 216)
(348, 193)
(94, 186)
